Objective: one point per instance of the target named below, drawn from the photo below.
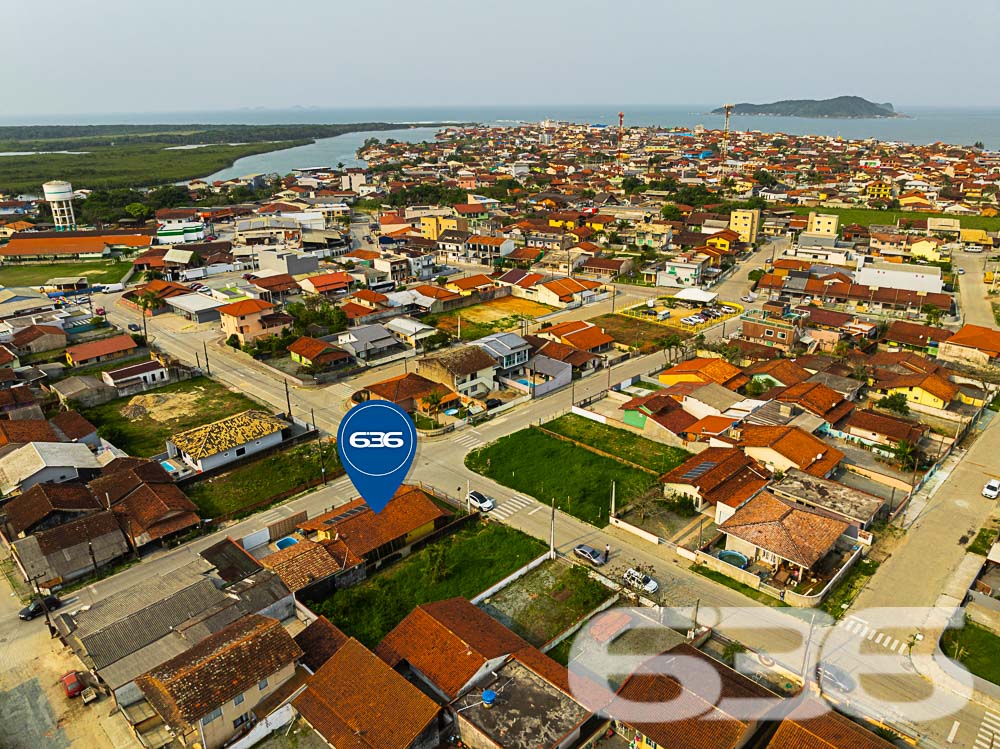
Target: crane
(724, 150)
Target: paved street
(975, 303)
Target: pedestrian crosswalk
(507, 507)
(342, 484)
(861, 629)
(989, 732)
(469, 440)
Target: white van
(110, 288)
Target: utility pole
(208, 367)
(319, 447)
(612, 501)
(552, 531)
(197, 359)
(288, 400)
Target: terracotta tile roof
(819, 399)
(245, 307)
(312, 348)
(721, 474)
(893, 427)
(784, 371)
(791, 531)
(436, 292)
(228, 433)
(73, 425)
(367, 295)
(405, 387)
(366, 531)
(560, 351)
(978, 337)
(276, 284)
(34, 505)
(809, 453)
(98, 525)
(711, 425)
(302, 564)
(813, 725)
(934, 384)
(356, 701)
(27, 430)
(915, 334)
(319, 641)
(114, 345)
(472, 282)
(330, 281)
(26, 244)
(566, 288)
(711, 370)
(705, 725)
(223, 665)
(588, 339)
(449, 641)
(156, 510)
(33, 332)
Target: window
(245, 718)
(216, 713)
(769, 334)
(262, 684)
(241, 451)
(238, 700)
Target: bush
(895, 402)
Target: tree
(932, 313)
(906, 454)
(147, 301)
(138, 211)
(755, 387)
(895, 402)
(233, 340)
(437, 562)
(671, 212)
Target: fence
(629, 528)
(276, 720)
(516, 575)
(595, 450)
(565, 635)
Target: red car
(72, 684)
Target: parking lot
(691, 318)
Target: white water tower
(59, 196)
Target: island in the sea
(841, 106)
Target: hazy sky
(66, 57)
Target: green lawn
(254, 482)
(866, 216)
(36, 274)
(626, 445)
(176, 407)
(739, 587)
(849, 587)
(547, 468)
(547, 601)
(983, 541)
(976, 648)
(632, 331)
(463, 564)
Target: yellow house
(823, 223)
(914, 200)
(927, 248)
(931, 390)
(431, 227)
(746, 223)
(599, 222)
(878, 190)
(974, 192)
(975, 236)
(723, 241)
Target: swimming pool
(525, 381)
(284, 543)
(734, 558)
(168, 466)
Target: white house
(224, 441)
(38, 462)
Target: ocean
(922, 125)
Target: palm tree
(147, 301)
(907, 454)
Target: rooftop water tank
(489, 698)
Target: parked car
(134, 327)
(589, 553)
(639, 581)
(35, 608)
(834, 677)
(992, 489)
(481, 502)
(493, 403)
(72, 684)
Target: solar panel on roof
(700, 470)
(344, 515)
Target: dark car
(493, 403)
(35, 608)
(134, 327)
(830, 677)
(589, 553)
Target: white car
(992, 489)
(481, 502)
(640, 581)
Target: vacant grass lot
(497, 315)
(547, 601)
(634, 331)
(631, 447)
(463, 564)
(549, 469)
(867, 216)
(255, 482)
(170, 409)
(976, 648)
(36, 274)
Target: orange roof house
(705, 370)
(105, 349)
(783, 447)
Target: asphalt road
(975, 303)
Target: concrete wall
(216, 461)
(220, 730)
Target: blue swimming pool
(734, 558)
(284, 543)
(167, 466)
(525, 381)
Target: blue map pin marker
(377, 442)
